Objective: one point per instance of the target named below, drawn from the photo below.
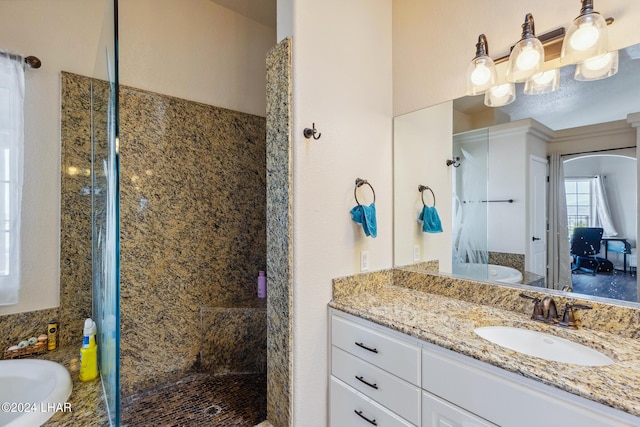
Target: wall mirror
(495, 204)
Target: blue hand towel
(366, 215)
(430, 220)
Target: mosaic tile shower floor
(200, 399)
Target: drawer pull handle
(373, 350)
(362, 380)
(359, 413)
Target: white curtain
(558, 255)
(603, 214)
(11, 166)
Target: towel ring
(421, 189)
(359, 183)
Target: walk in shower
(178, 217)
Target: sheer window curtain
(558, 254)
(11, 170)
(603, 214)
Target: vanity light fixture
(500, 95)
(544, 82)
(586, 37)
(481, 73)
(527, 56)
(599, 67)
(585, 44)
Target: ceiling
(262, 11)
(575, 103)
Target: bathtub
(492, 272)
(31, 391)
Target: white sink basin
(31, 391)
(543, 345)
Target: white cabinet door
(349, 408)
(507, 399)
(440, 413)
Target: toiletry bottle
(262, 285)
(52, 335)
(89, 352)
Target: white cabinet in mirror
(498, 208)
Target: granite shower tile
(279, 234)
(193, 227)
(233, 340)
(75, 207)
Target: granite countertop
(450, 323)
(86, 400)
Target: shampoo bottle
(89, 352)
(262, 285)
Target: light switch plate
(416, 252)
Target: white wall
(508, 163)
(342, 82)
(433, 41)
(422, 141)
(197, 50)
(64, 34)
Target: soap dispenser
(89, 352)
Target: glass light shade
(545, 82)
(481, 75)
(500, 95)
(585, 38)
(526, 59)
(599, 67)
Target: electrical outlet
(416, 252)
(364, 260)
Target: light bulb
(599, 62)
(501, 90)
(480, 75)
(585, 37)
(544, 78)
(528, 59)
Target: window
(580, 203)
(11, 165)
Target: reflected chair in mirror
(585, 246)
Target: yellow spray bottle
(89, 352)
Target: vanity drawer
(384, 351)
(349, 408)
(388, 390)
(438, 412)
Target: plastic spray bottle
(89, 352)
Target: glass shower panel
(105, 210)
(470, 207)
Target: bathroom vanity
(407, 357)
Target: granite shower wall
(279, 234)
(193, 237)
